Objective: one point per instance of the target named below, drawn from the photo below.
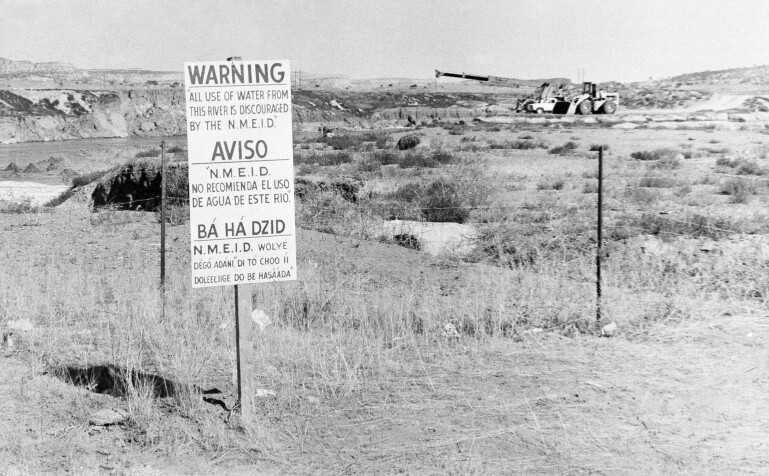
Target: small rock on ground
(107, 417)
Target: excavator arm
(493, 80)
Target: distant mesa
(8, 66)
(31, 169)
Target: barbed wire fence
(608, 224)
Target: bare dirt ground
(687, 401)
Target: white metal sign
(241, 172)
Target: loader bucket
(561, 107)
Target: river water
(79, 155)
(24, 153)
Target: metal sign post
(600, 236)
(163, 228)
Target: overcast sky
(609, 39)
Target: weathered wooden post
(600, 236)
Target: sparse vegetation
(742, 166)
(659, 181)
(518, 145)
(417, 159)
(555, 184)
(374, 339)
(23, 205)
(566, 148)
(656, 154)
(85, 179)
(147, 153)
(739, 189)
(443, 203)
(324, 159)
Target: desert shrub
(325, 211)
(556, 184)
(564, 149)
(386, 157)
(77, 181)
(443, 157)
(405, 240)
(22, 206)
(590, 187)
(716, 150)
(342, 141)
(471, 147)
(655, 154)
(750, 167)
(417, 159)
(518, 145)
(642, 196)
(382, 141)
(176, 214)
(147, 153)
(706, 180)
(443, 203)
(694, 225)
(739, 189)
(305, 169)
(176, 149)
(456, 132)
(595, 147)
(61, 198)
(742, 166)
(727, 162)
(323, 158)
(410, 192)
(85, 179)
(668, 162)
(659, 181)
(368, 166)
(408, 142)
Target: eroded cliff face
(58, 114)
(43, 115)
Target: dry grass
(367, 376)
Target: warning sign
(241, 172)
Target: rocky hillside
(56, 114)
(35, 115)
(123, 103)
(757, 75)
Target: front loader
(590, 101)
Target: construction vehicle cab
(590, 101)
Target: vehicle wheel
(585, 107)
(540, 110)
(609, 107)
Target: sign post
(241, 181)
